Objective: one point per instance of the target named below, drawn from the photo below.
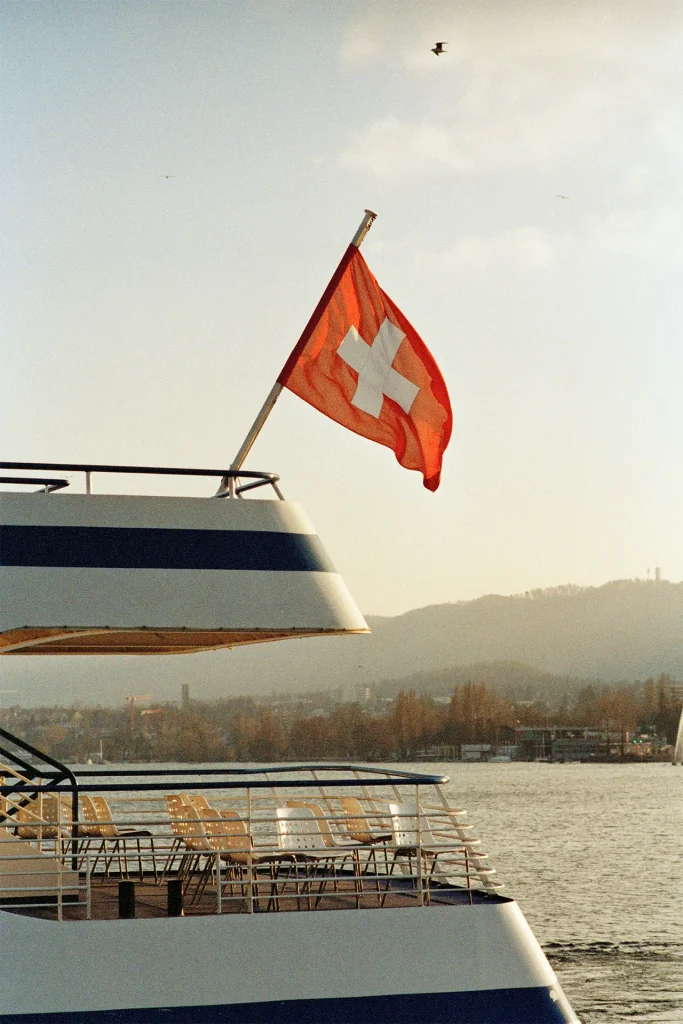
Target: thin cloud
(524, 249)
(390, 147)
(593, 30)
(521, 85)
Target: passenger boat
(226, 895)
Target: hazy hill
(514, 679)
(624, 630)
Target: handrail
(62, 774)
(62, 769)
(270, 769)
(257, 478)
(48, 484)
(268, 837)
(152, 787)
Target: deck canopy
(84, 573)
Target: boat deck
(234, 841)
(150, 899)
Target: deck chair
(230, 840)
(174, 804)
(118, 839)
(189, 836)
(88, 831)
(413, 835)
(357, 825)
(346, 849)
(45, 819)
(300, 833)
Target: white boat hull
(475, 964)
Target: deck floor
(151, 899)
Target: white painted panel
(267, 957)
(150, 512)
(174, 599)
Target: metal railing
(230, 486)
(238, 840)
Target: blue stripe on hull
(497, 1006)
(107, 547)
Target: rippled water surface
(594, 856)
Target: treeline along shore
(635, 720)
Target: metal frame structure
(228, 476)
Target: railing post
(219, 884)
(59, 847)
(420, 893)
(250, 862)
(467, 875)
(88, 892)
(74, 828)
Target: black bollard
(126, 899)
(175, 898)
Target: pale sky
(145, 317)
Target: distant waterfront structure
(658, 574)
(184, 695)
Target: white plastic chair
(300, 834)
(412, 838)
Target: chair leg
(170, 860)
(203, 880)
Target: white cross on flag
(361, 363)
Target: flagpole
(227, 485)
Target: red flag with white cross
(361, 363)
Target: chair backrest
(298, 829)
(320, 819)
(356, 820)
(197, 800)
(45, 817)
(175, 802)
(187, 825)
(407, 828)
(89, 823)
(31, 822)
(103, 815)
(227, 832)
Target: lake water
(594, 856)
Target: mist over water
(593, 855)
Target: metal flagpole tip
(365, 226)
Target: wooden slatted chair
(45, 818)
(119, 838)
(357, 825)
(230, 840)
(189, 834)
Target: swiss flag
(361, 363)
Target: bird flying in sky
(439, 49)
